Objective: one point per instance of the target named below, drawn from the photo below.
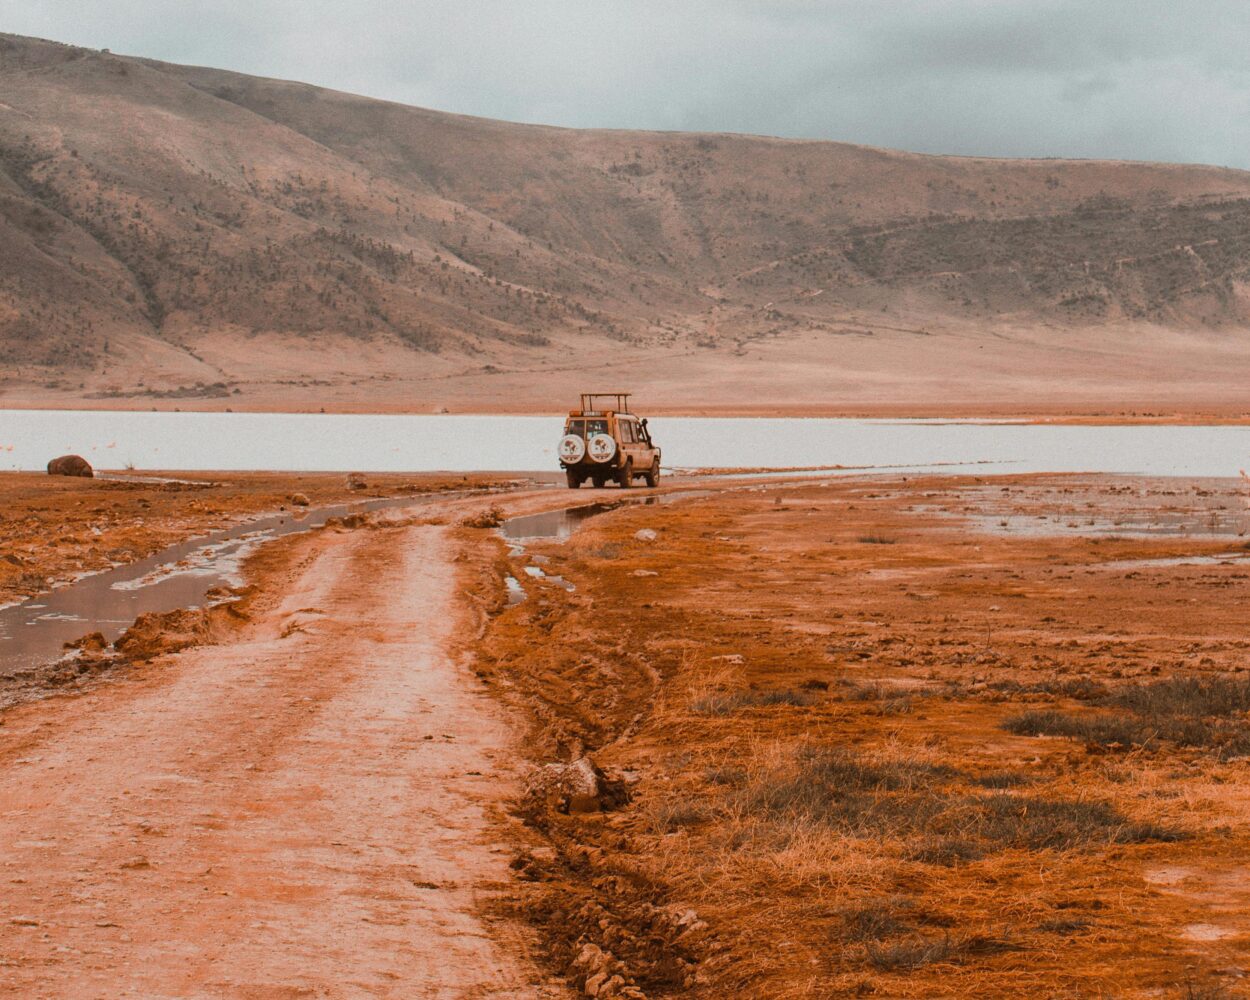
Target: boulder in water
(70, 465)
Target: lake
(423, 443)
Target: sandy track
(301, 813)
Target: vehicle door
(644, 449)
(628, 433)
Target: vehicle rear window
(587, 428)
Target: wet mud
(878, 743)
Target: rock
(357, 481)
(492, 517)
(592, 959)
(644, 572)
(576, 788)
(92, 642)
(156, 633)
(645, 535)
(299, 500)
(70, 465)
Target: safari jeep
(607, 442)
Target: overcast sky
(1135, 79)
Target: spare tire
(601, 448)
(572, 449)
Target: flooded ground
(414, 442)
(1130, 508)
(181, 576)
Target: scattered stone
(135, 864)
(24, 921)
(644, 572)
(299, 500)
(71, 465)
(645, 535)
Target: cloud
(1133, 79)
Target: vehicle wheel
(653, 474)
(626, 476)
(572, 478)
(598, 482)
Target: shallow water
(416, 442)
(34, 632)
(557, 524)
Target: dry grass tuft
(727, 704)
(1002, 779)
(1202, 712)
(907, 798)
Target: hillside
(178, 233)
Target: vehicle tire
(574, 479)
(598, 481)
(626, 475)
(653, 474)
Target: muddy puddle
(559, 525)
(550, 524)
(181, 576)
(1211, 508)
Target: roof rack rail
(621, 401)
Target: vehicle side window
(627, 431)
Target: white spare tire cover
(601, 448)
(572, 448)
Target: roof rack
(621, 398)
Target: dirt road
(304, 812)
